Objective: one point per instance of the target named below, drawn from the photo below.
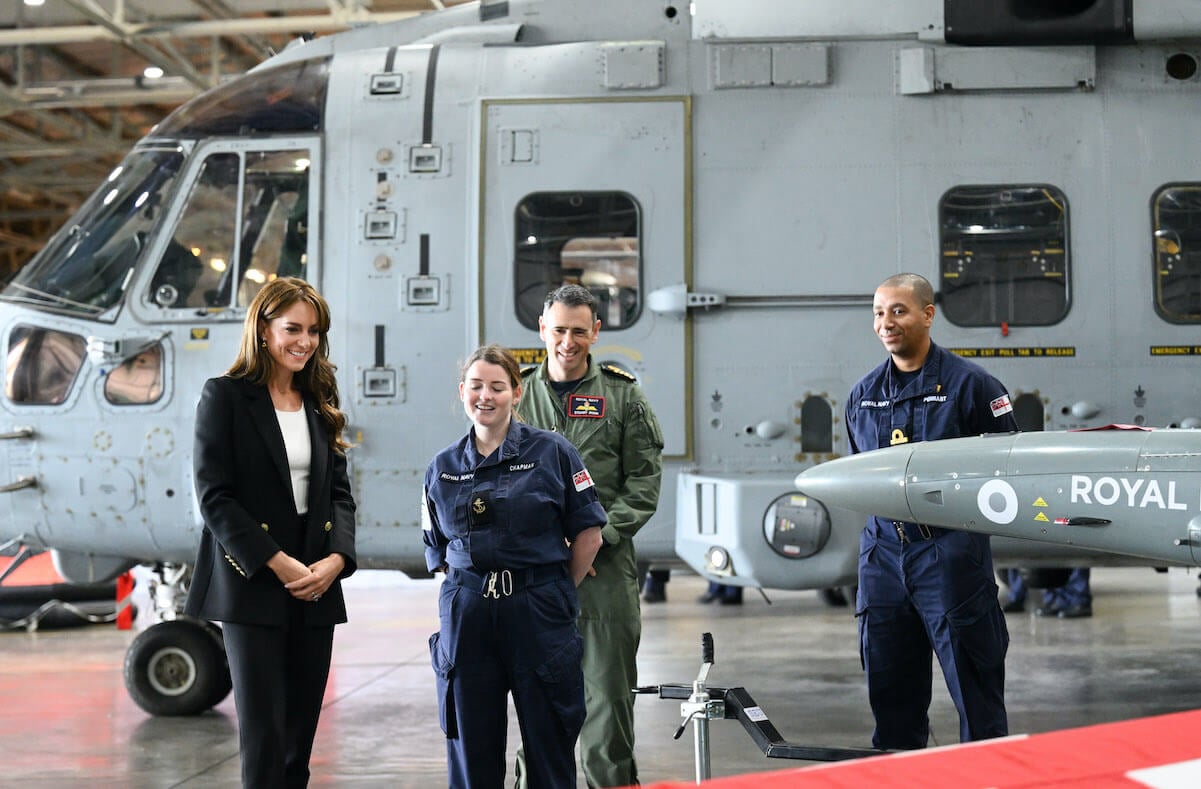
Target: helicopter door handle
(18, 432)
(21, 483)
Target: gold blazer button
(265, 527)
(329, 526)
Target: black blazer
(244, 488)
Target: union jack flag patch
(1001, 406)
(582, 480)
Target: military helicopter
(731, 179)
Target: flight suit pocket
(443, 669)
(979, 626)
(563, 680)
(861, 615)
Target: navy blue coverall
(508, 606)
(921, 587)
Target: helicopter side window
(1176, 252)
(1004, 255)
(245, 223)
(275, 220)
(584, 238)
(202, 245)
(42, 365)
(138, 380)
(817, 425)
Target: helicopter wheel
(177, 668)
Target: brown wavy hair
(254, 362)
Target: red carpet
(1163, 752)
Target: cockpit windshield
(86, 266)
(284, 99)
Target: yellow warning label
(1176, 350)
(1031, 352)
(527, 356)
(1041, 517)
(1039, 502)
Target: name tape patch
(585, 406)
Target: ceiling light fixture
(35, 2)
(152, 72)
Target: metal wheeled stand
(703, 703)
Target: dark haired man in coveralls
(922, 588)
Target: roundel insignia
(998, 502)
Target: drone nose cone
(872, 483)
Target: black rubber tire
(176, 668)
(225, 684)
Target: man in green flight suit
(601, 409)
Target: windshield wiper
(51, 298)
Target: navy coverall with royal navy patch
(920, 587)
(508, 607)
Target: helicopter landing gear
(177, 666)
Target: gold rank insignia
(478, 506)
(898, 437)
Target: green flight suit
(608, 418)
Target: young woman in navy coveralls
(512, 517)
(922, 588)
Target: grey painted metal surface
(774, 183)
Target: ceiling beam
(256, 48)
(12, 102)
(105, 93)
(122, 33)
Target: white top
(295, 427)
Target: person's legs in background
(654, 585)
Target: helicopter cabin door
(615, 223)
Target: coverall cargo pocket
(443, 669)
(563, 680)
(979, 626)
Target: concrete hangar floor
(66, 720)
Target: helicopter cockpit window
(1004, 255)
(585, 238)
(289, 98)
(42, 365)
(245, 223)
(1176, 224)
(86, 266)
(138, 380)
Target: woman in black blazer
(271, 480)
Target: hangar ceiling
(75, 95)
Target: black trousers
(279, 677)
